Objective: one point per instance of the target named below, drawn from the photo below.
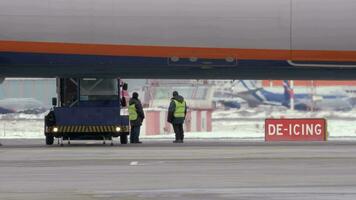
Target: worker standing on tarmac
(136, 116)
(176, 115)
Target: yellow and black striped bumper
(87, 129)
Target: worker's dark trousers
(178, 130)
(135, 134)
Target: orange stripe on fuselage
(315, 55)
(165, 51)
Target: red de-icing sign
(295, 130)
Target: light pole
(291, 95)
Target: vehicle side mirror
(125, 87)
(54, 101)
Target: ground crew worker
(136, 116)
(176, 115)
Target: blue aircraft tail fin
(249, 84)
(252, 89)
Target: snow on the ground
(280, 112)
(249, 123)
(246, 123)
(23, 105)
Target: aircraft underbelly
(251, 38)
(256, 24)
(323, 25)
(252, 24)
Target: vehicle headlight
(55, 129)
(118, 129)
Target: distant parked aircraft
(325, 99)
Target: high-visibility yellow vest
(180, 109)
(132, 112)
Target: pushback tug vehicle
(87, 109)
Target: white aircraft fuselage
(240, 38)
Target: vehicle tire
(123, 139)
(49, 140)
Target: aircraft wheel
(49, 140)
(123, 139)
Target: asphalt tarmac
(160, 170)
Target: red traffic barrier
(295, 130)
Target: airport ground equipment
(87, 109)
